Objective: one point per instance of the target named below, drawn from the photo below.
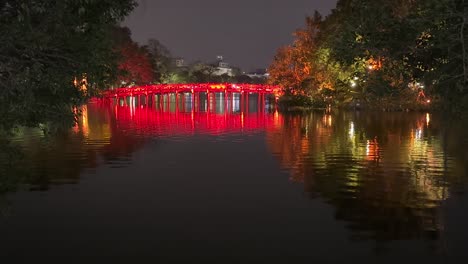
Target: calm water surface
(227, 182)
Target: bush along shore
(301, 103)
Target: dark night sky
(246, 32)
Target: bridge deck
(194, 88)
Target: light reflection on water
(387, 176)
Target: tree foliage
(45, 46)
(382, 49)
(161, 60)
(292, 66)
(135, 62)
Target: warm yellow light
(351, 131)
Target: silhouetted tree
(45, 45)
(161, 59)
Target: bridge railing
(194, 88)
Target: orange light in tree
(374, 64)
(81, 85)
(84, 84)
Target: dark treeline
(393, 54)
(50, 51)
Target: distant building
(222, 67)
(180, 62)
(259, 74)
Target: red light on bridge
(193, 88)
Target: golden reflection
(380, 164)
(95, 129)
(82, 124)
(84, 120)
(61, 159)
(351, 132)
(81, 85)
(277, 119)
(327, 120)
(372, 150)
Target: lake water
(231, 183)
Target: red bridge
(194, 88)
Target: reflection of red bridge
(194, 88)
(187, 108)
(154, 122)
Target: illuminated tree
(135, 65)
(441, 52)
(292, 66)
(282, 69)
(134, 62)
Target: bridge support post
(168, 101)
(241, 102)
(262, 102)
(259, 99)
(160, 101)
(226, 102)
(149, 99)
(208, 102)
(183, 102)
(156, 101)
(247, 102)
(231, 101)
(193, 101)
(198, 102)
(214, 102)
